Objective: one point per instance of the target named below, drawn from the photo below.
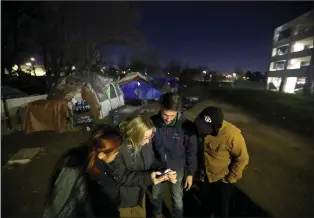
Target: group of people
(144, 154)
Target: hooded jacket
(175, 145)
(222, 150)
(225, 155)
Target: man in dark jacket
(175, 147)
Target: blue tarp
(139, 89)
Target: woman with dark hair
(104, 146)
(72, 192)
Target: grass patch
(294, 112)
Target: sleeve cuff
(148, 179)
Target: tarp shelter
(41, 115)
(137, 86)
(102, 93)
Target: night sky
(220, 35)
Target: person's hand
(109, 157)
(225, 180)
(172, 176)
(156, 178)
(188, 183)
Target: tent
(102, 93)
(137, 86)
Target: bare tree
(17, 33)
(74, 33)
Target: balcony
(297, 63)
(286, 38)
(277, 65)
(305, 31)
(301, 72)
(303, 53)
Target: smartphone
(164, 172)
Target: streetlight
(73, 68)
(33, 59)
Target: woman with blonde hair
(124, 169)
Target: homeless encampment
(88, 96)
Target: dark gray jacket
(133, 174)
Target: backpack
(67, 195)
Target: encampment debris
(24, 156)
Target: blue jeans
(176, 195)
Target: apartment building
(291, 67)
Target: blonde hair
(133, 131)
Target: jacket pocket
(216, 150)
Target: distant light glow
(73, 68)
(204, 71)
(33, 59)
(28, 64)
(138, 83)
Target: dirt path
(280, 176)
(24, 187)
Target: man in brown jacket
(222, 158)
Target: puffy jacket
(226, 154)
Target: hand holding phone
(168, 175)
